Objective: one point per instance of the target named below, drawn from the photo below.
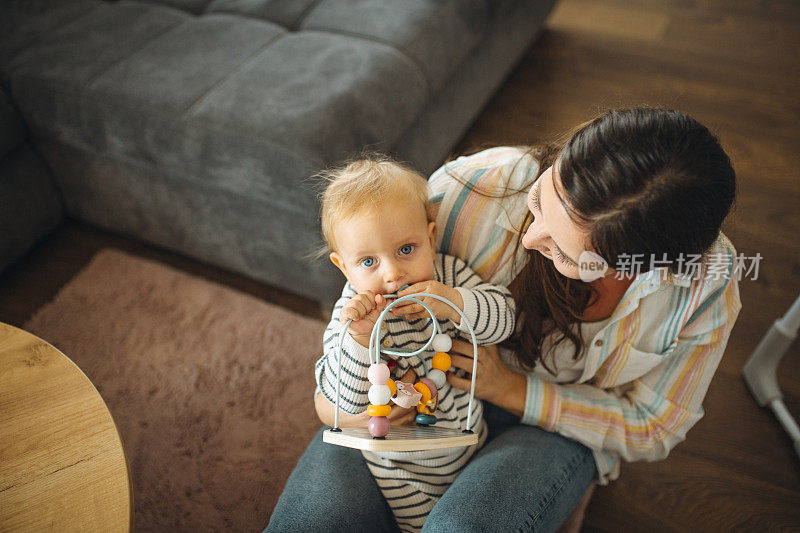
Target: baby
(376, 225)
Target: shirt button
(386, 342)
(598, 342)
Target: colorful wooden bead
(431, 386)
(424, 390)
(379, 410)
(441, 361)
(441, 343)
(438, 377)
(378, 373)
(378, 426)
(379, 394)
(425, 420)
(392, 386)
(407, 396)
(428, 408)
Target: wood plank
(619, 22)
(687, 493)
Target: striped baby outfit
(639, 383)
(412, 482)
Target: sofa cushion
(12, 132)
(435, 34)
(30, 204)
(286, 13)
(236, 101)
(25, 23)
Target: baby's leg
(410, 489)
(413, 482)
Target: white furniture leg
(760, 371)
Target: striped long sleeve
(489, 308)
(354, 385)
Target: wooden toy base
(401, 439)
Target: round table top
(62, 465)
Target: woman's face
(552, 232)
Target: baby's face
(381, 249)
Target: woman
(602, 368)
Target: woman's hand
(495, 382)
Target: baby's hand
(363, 309)
(442, 310)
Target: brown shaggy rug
(211, 389)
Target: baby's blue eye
(407, 249)
(367, 262)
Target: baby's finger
(367, 300)
(408, 309)
(368, 297)
(411, 289)
(417, 316)
(359, 307)
(348, 313)
(402, 305)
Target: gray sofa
(195, 124)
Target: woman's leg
(523, 479)
(331, 489)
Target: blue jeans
(523, 479)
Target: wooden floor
(734, 65)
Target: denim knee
(526, 479)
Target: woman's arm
(646, 421)
(483, 235)
(643, 423)
(326, 411)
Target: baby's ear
(337, 260)
(432, 234)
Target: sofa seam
(146, 42)
(29, 141)
(305, 14)
(236, 69)
(392, 46)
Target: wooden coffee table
(62, 466)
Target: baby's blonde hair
(371, 181)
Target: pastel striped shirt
(639, 384)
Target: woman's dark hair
(639, 181)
